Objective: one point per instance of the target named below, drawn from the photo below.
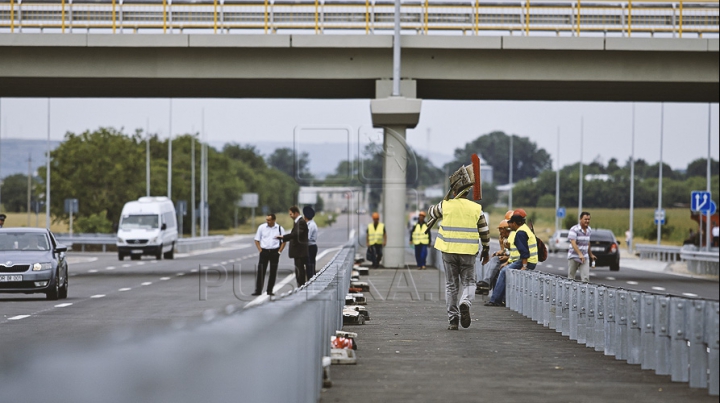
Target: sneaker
(465, 315)
(482, 288)
(490, 303)
(453, 325)
(255, 294)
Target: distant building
(336, 199)
(598, 177)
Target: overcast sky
(444, 125)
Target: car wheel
(170, 255)
(121, 257)
(615, 267)
(159, 254)
(64, 289)
(54, 292)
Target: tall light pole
(1, 122)
(632, 182)
(29, 186)
(510, 175)
(147, 157)
(707, 218)
(202, 173)
(580, 186)
(169, 184)
(192, 186)
(47, 171)
(557, 184)
(660, 170)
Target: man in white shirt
(309, 214)
(270, 249)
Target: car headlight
(154, 240)
(120, 240)
(42, 266)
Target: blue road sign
(660, 217)
(700, 201)
(712, 210)
(561, 212)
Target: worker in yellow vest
(462, 230)
(376, 239)
(421, 240)
(523, 254)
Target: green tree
(93, 223)
(528, 160)
(295, 165)
(14, 193)
(699, 168)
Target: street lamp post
(660, 171)
(580, 186)
(632, 182)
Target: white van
(147, 226)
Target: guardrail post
(509, 290)
(647, 324)
(698, 355)
(537, 297)
(599, 338)
(634, 332)
(556, 308)
(621, 322)
(662, 335)
(679, 344)
(582, 314)
(546, 301)
(527, 294)
(590, 327)
(610, 339)
(566, 308)
(712, 339)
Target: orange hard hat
(503, 224)
(375, 215)
(508, 214)
(422, 213)
(520, 212)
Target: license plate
(5, 279)
(137, 251)
(598, 249)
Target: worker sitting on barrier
(498, 260)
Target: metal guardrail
(271, 352)
(575, 18)
(700, 262)
(671, 335)
(183, 245)
(659, 252)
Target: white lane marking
(164, 278)
(180, 274)
(153, 261)
(110, 268)
(561, 268)
(632, 282)
(610, 278)
(352, 234)
(593, 275)
(19, 317)
(261, 298)
(140, 263)
(215, 265)
(146, 283)
(659, 288)
(689, 294)
(193, 271)
(63, 305)
(223, 263)
(549, 266)
(98, 296)
(92, 271)
(125, 289)
(126, 265)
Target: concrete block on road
(138, 40)
(657, 44)
(552, 43)
(239, 41)
(342, 41)
(713, 45)
(451, 42)
(44, 40)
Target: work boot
(453, 324)
(465, 315)
(483, 288)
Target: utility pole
(580, 188)
(147, 157)
(557, 184)
(192, 186)
(169, 191)
(29, 187)
(47, 171)
(510, 175)
(660, 169)
(632, 182)
(202, 174)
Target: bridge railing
(473, 17)
(671, 335)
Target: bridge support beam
(394, 115)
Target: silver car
(559, 242)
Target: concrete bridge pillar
(394, 114)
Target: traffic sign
(700, 201)
(71, 206)
(712, 209)
(660, 216)
(561, 212)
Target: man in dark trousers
(269, 248)
(298, 249)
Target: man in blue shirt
(309, 214)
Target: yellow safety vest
(458, 232)
(532, 245)
(375, 235)
(419, 237)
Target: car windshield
(600, 235)
(563, 234)
(139, 222)
(23, 241)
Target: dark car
(31, 261)
(605, 248)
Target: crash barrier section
(271, 352)
(183, 245)
(702, 262)
(659, 252)
(670, 335)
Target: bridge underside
(347, 67)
